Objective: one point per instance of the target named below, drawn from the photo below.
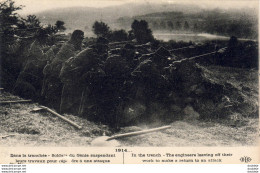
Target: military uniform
(31, 76)
(76, 77)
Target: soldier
(117, 84)
(53, 88)
(68, 50)
(80, 76)
(149, 75)
(29, 81)
(128, 52)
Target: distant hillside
(84, 17)
(161, 17)
(240, 23)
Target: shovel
(58, 115)
(105, 141)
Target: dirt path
(44, 129)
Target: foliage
(100, 29)
(31, 21)
(141, 31)
(186, 25)
(60, 25)
(195, 27)
(16, 35)
(163, 25)
(240, 23)
(9, 21)
(170, 25)
(14, 27)
(178, 25)
(118, 35)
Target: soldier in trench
(52, 89)
(151, 82)
(29, 82)
(81, 76)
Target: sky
(34, 6)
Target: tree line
(139, 31)
(226, 23)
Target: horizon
(37, 6)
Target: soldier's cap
(76, 34)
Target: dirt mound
(43, 128)
(207, 92)
(228, 91)
(21, 127)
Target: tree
(170, 25)
(12, 26)
(155, 25)
(60, 25)
(141, 31)
(178, 25)
(163, 25)
(100, 29)
(186, 25)
(32, 21)
(27, 27)
(16, 35)
(9, 21)
(9, 46)
(195, 27)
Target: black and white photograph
(128, 73)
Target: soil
(19, 126)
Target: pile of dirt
(22, 127)
(42, 128)
(230, 91)
(215, 92)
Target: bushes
(118, 35)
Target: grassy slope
(42, 128)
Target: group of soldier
(98, 81)
(116, 83)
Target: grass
(44, 129)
